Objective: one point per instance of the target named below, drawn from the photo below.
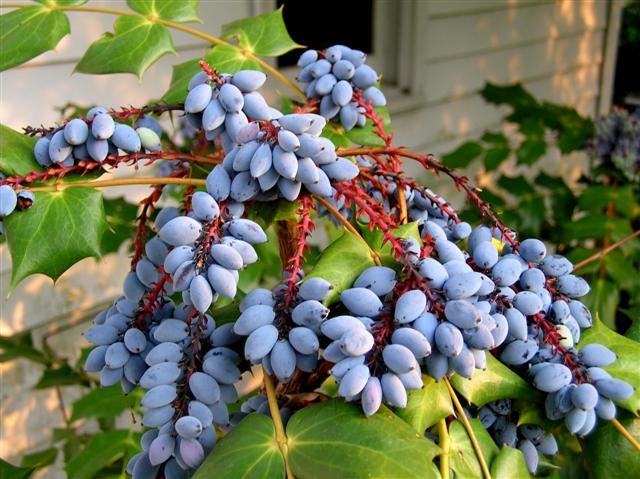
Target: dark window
(626, 88)
(319, 25)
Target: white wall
(554, 47)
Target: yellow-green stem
(121, 182)
(346, 224)
(445, 445)
(469, 429)
(281, 437)
(176, 26)
(618, 425)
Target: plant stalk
(618, 425)
(121, 182)
(605, 251)
(176, 26)
(445, 445)
(281, 437)
(346, 224)
(467, 426)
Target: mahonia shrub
(412, 344)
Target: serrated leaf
(103, 449)
(426, 406)
(495, 382)
(133, 47)
(334, 439)
(530, 150)
(27, 32)
(16, 153)
(509, 464)
(366, 135)
(609, 454)
(20, 346)
(60, 229)
(264, 35)
(60, 376)
(182, 11)
(462, 156)
(626, 367)
(250, 450)
(341, 263)
(104, 402)
(375, 240)
(464, 461)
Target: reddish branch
(122, 114)
(84, 167)
(431, 164)
(152, 300)
(305, 227)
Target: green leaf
(375, 240)
(223, 58)
(262, 34)
(250, 450)
(495, 382)
(334, 439)
(272, 211)
(9, 471)
(59, 230)
(341, 263)
(516, 185)
(120, 217)
(462, 156)
(104, 402)
(40, 459)
(530, 150)
(495, 138)
(366, 135)
(513, 95)
(509, 464)
(60, 376)
(336, 134)
(27, 32)
(103, 449)
(16, 153)
(427, 406)
(181, 11)
(495, 157)
(609, 454)
(463, 457)
(133, 47)
(20, 346)
(603, 300)
(592, 226)
(626, 367)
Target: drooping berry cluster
(338, 77)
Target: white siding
(554, 47)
